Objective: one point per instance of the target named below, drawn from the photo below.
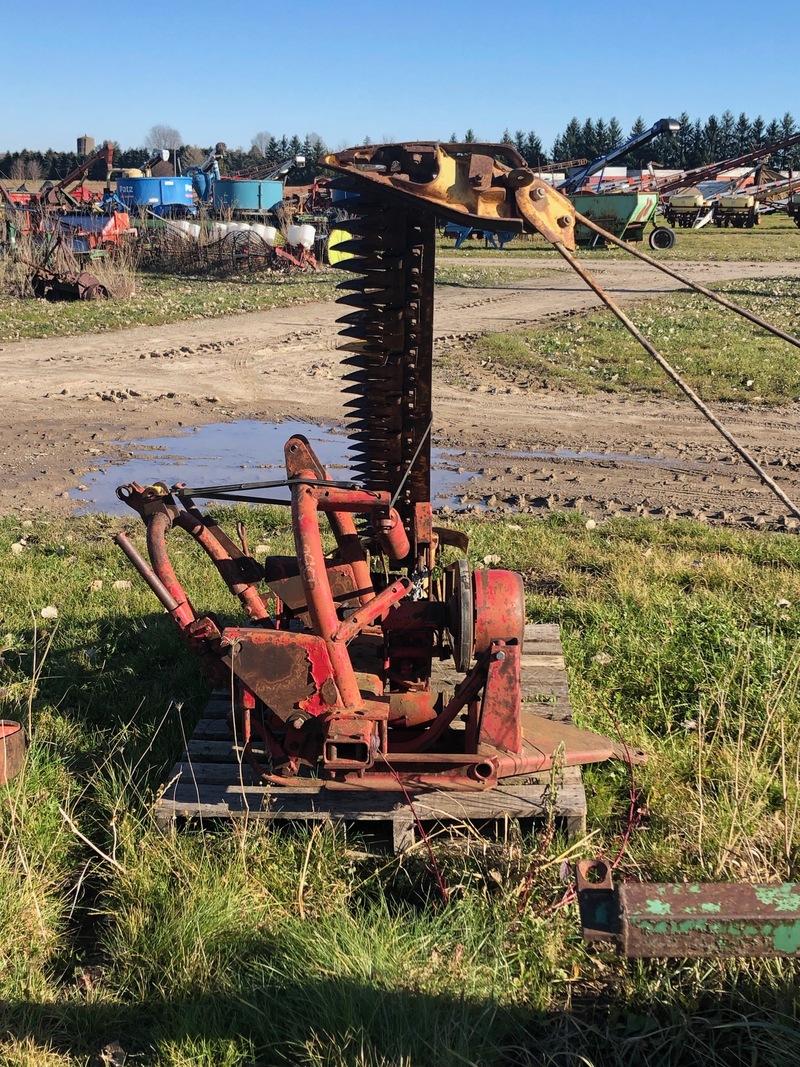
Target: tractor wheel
(661, 238)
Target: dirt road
(66, 403)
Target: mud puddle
(215, 454)
(582, 456)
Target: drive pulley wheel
(460, 612)
(661, 238)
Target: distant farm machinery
(209, 246)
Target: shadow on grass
(339, 1021)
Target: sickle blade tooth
(363, 350)
(375, 280)
(372, 300)
(387, 345)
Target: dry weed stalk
(738, 776)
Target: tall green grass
(240, 945)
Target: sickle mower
(332, 672)
(331, 675)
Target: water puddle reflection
(243, 451)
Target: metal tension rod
(686, 389)
(689, 283)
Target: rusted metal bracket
(12, 749)
(690, 919)
(488, 186)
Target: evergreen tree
(727, 135)
(469, 136)
(675, 152)
(639, 156)
(534, 151)
(587, 145)
(771, 134)
(789, 157)
(743, 134)
(615, 136)
(711, 140)
(601, 137)
(697, 156)
(568, 145)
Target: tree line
(265, 151)
(698, 142)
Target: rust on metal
(688, 919)
(66, 285)
(332, 671)
(12, 749)
(483, 184)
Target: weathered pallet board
(213, 779)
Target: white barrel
(270, 235)
(307, 235)
(293, 235)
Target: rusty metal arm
(490, 189)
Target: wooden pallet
(212, 780)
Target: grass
(159, 299)
(242, 946)
(776, 239)
(162, 298)
(720, 354)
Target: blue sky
(404, 70)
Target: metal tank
(247, 196)
(162, 196)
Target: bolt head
(564, 221)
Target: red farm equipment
(330, 677)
